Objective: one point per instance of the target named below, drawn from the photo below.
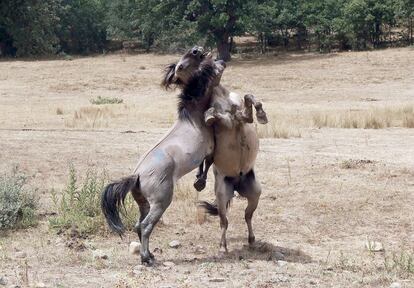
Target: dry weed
(375, 118)
(90, 117)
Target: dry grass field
(336, 164)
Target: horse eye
(195, 52)
(180, 67)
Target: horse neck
(194, 110)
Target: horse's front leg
(200, 182)
(250, 100)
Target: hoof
(149, 262)
(200, 184)
(210, 120)
(223, 250)
(261, 117)
(252, 239)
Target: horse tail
(209, 207)
(112, 199)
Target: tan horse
(180, 151)
(236, 148)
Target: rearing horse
(180, 151)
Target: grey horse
(180, 151)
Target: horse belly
(236, 150)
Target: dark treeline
(47, 27)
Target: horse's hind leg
(251, 189)
(224, 189)
(160, 202)
(260, 113)
(144, 208)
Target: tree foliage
(31, 27)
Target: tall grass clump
(17, 204)
(79, 205)
(278, 130)
(374, 118)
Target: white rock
(99, 254)
(281, 263)
(3, 281)
(374, 246)
(168, 264)
(395, 285)
(40, 285)
(134, 248)
(174, 244)
(200, 249)
(138, 269)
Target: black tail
(210, 208)
(113, 197)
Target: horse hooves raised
(261, 117)
(200, 184)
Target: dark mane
(196, 88)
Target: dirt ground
(324, 193)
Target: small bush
(106, 100)
(80, 204)
(17, 205)
(402, 263)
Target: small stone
(168, 264)
(99, 254)
(374, 246)
(217, 280)
(134, 248)
(395, 285)
(21, 254)
(138, 269)
(40, 285)
(3, 281)
(200, 250)
(174, 244)
(281, 263)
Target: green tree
(28, 27)
(82, 26)
(404, 10)
(219, 20)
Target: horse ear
(168, 78)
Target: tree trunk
(223, 48)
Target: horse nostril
(180, 67)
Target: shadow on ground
(259, 251)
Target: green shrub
(17, 205)
(106, 100)
(79, 206)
